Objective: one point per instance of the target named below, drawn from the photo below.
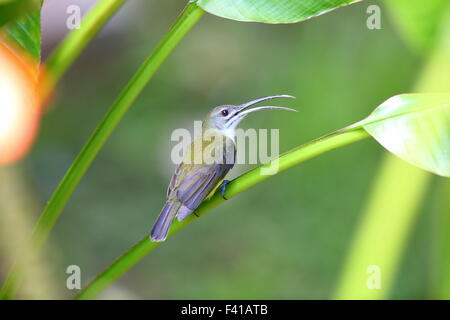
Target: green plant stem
(52, 211)
(382, 234)
(394, 202)
(70, 48)
(440, 273)
(57, 64)
(298, 155)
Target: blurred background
(285, 238)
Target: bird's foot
(224, 186)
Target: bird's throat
(230, 133)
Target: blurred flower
(19, 105)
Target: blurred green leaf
(26, 30)
(397, 193)
(418, 20)
(416, 128)
(270, 11)
(382, 233)
(10, 9)
(441, 243)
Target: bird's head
(228, 116)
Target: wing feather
(198, 183)
(192, 183)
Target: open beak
(243, 111)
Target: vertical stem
(393, 203)
(382, 234)
(188, 18)
(18, 202)
(441, 243)
(185, 22)
(71, 47)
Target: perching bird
(194, 181)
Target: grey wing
(198, 181)
(173, 180)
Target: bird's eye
(224, 112)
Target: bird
(194, 181)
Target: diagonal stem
(285, 161)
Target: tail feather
(183, 213)
(161, 227)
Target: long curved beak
(252, 102)
(244, 111)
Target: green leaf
(416, 128)
(10, 9)
(418, 20)
(270, 11)
(26, 30)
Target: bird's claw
(224, 186)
